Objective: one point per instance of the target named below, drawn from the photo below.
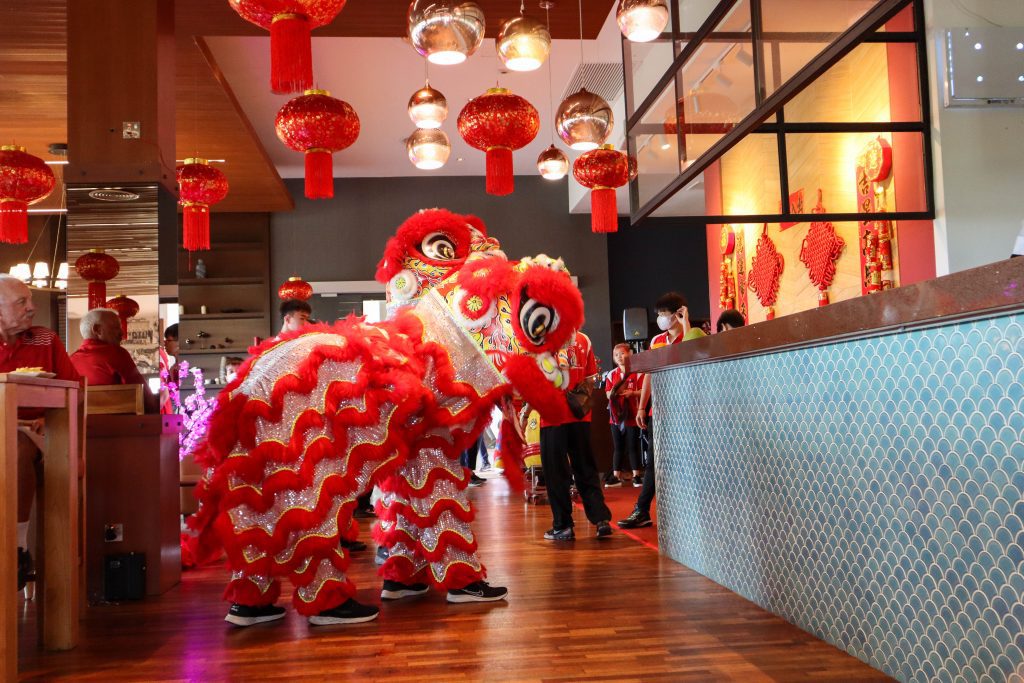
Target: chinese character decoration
(820, 251)
(877, 237)
(727, 273)
(765, 273)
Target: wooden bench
(116, 399)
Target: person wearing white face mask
(674, 321)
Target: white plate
(44, 375)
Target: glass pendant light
(523, 42)
(641, 21)
(428, 148)
(584, 120)
(443, 33)
(552, 164)
(428, 108)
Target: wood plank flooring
(589, 610)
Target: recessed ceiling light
(977, 46)
(459, 159)
(1020, 46)
(666, 146)
(1021, 78)
(980, 79)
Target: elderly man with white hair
(100, 358)
(27, 347)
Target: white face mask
(665, 322)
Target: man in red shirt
(25, 346)
(565, 454)
(100, 358)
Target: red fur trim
(401, 569)
(487, 277)
(536, 390)
(409, 237)
(555, 290)
(332, 594)
(437, 507)
(512, 456)
(457, 575)
(404, 488)
(476, 222)
(245, 592)
(447, 539)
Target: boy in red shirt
(623, 392)
(565, 454)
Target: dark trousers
(625, 443)
(643, 503)
(468, 457)
(565, 455)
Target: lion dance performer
(320, 415)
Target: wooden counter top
(979, 292)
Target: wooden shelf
(214, 281)
(251, 315)
(210, 352)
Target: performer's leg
(557, 476)
(584, 469)
(252, 599)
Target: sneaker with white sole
(613, 483)
(394, 590)
(246, 615)
(566, 534)
(604, 529)
(479, 591)
(351, 612)
(636, 520)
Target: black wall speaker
(634, 323)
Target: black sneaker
(351, 612)
(477, 592)
(352, 546)
(638, 482)
(26, 571)
(393, 590)
(244, 615)
(636, 520)
(566, 534)
(382, 555)
(604, 529)
(476, 481)
(613, 483)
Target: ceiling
(225, 111)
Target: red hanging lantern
(319, 125)
(126, 308)
(24, 180)
(289, 23)
(96, 267)
(199, 185)
(498, 123)
(602, 170)
(295, 288)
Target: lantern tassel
(500, 180)
(604, 211)
(13, 221)
(124, 327)
(319, 174)
(97, 294)
(196, 221)
(291, 54)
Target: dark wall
(343, 238)
(655, 257)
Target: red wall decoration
(877, 238)
(820, 251)
(765, 272)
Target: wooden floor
(589, 610)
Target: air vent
(113, 194)
(601, 78)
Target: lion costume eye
(537, 320)
(438, 246)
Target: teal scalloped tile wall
(871, 492)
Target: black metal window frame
(865, 30)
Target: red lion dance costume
(318, 416)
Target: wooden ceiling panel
(387, 18)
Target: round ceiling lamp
(429, 148)
(584, 120)
(553, 164)
(641, 21)
(523, 43)
(443, 33)
(428, 107)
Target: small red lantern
(24, 180)
(199, 185)
(602, 170)
(289, 23)
(319, 125)
(96, 267)
(498, 123)
(295, 288)
(125, 308)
